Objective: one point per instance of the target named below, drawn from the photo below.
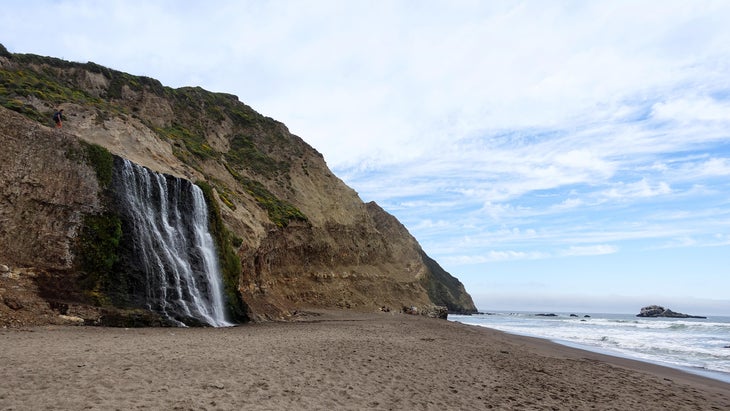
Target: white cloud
(690, 110)
(639, 189)
(722, 239)
(570, 203)
(496, 256)
(715, 167)
(599, 249)
(493, 256)
(428, 224)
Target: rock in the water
(651, 311)
(4, 268)
(659, 311)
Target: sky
(554, 156)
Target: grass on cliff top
(19, 85)
(39, 77)
(55, 81)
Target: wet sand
(330, 360)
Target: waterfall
(173, 264)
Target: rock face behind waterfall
(289, 234)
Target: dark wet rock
(659, 311)
(13, 303)
(435, 311)
(431, 311)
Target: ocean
(700, 346)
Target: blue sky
(554, 156)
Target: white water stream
(169, 220)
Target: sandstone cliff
(299, 236)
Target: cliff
(290, 234)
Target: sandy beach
(329, 360)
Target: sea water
(700, 346)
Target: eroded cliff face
(47, 188)
(303, 238)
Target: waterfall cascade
(173, 251)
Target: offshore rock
(659, 311)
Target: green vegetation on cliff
(98, 248)
(96, 156)
(245, 153)
(280, 212)
(100, 238)
(192, 143)
(101, 160)
(38, 77)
